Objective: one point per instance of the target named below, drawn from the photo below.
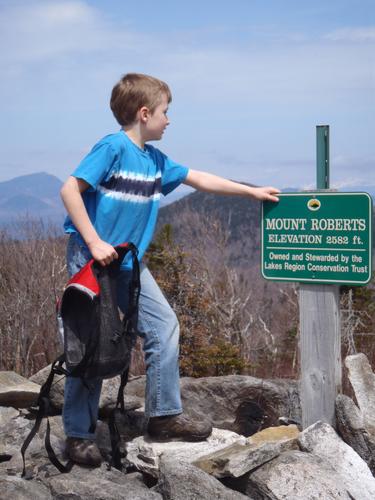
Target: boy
(112, 197)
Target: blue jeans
(159, 329)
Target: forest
(231, 320)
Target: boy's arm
(203, 181)
(71, 195)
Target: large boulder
(356, 424)
(57, 389)
(44, 480)
(17, 391)
(144, 454)
(326, 467)
(362, 380)
(16, 488)
(239, 403)
(14, 430)
(179, 480)
(321, 440)
(108, 395)
(351, 427)
(14, 435)
(99, 484)
(295, 475)
(238, 459)
(8, 417)
(219, 398)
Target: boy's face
(157, 121)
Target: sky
(251, 80)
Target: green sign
(318, 237)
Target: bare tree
(32, 275)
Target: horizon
(249, 84)
(189, 190)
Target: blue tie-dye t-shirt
(125, 187)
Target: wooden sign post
(320, 333)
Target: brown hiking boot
(178, 427)
(83, 451)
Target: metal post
(322, 157)
(320, 345)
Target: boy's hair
(133, 91)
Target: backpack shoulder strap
(44, 409)
(114, 433)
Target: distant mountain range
(38, 196)
(35, 195)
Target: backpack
(97, 342)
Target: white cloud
(39, 31)
(347, 183)
(254, 96)
(70, 35)
(343, 162)
(361, 34)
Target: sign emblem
(313, 204)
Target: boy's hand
(266, 193)
(102, 252)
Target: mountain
(38, 196)
(40, 185)
(228, 224)
(35, 196)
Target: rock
(103, 440)
(179, 480)
(351, 428)
(15, 488)
(136, 386)
(321, 440)
(219, 398)
(226, 400)
(7, 414)
(83, 483)
(36, 455)
(130, 426)
(17, 391)
(363, 382)
(145, 454)
(239, 403)
(249, 418)
(15, 431)
(238, 459)
(35, 461)
(108, 395)
(79, 483)
(278, 434)
(13, 434)
(7, 417)
(295, 475)
(57, 389)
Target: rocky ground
(257, 449)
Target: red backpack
(97, 341)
